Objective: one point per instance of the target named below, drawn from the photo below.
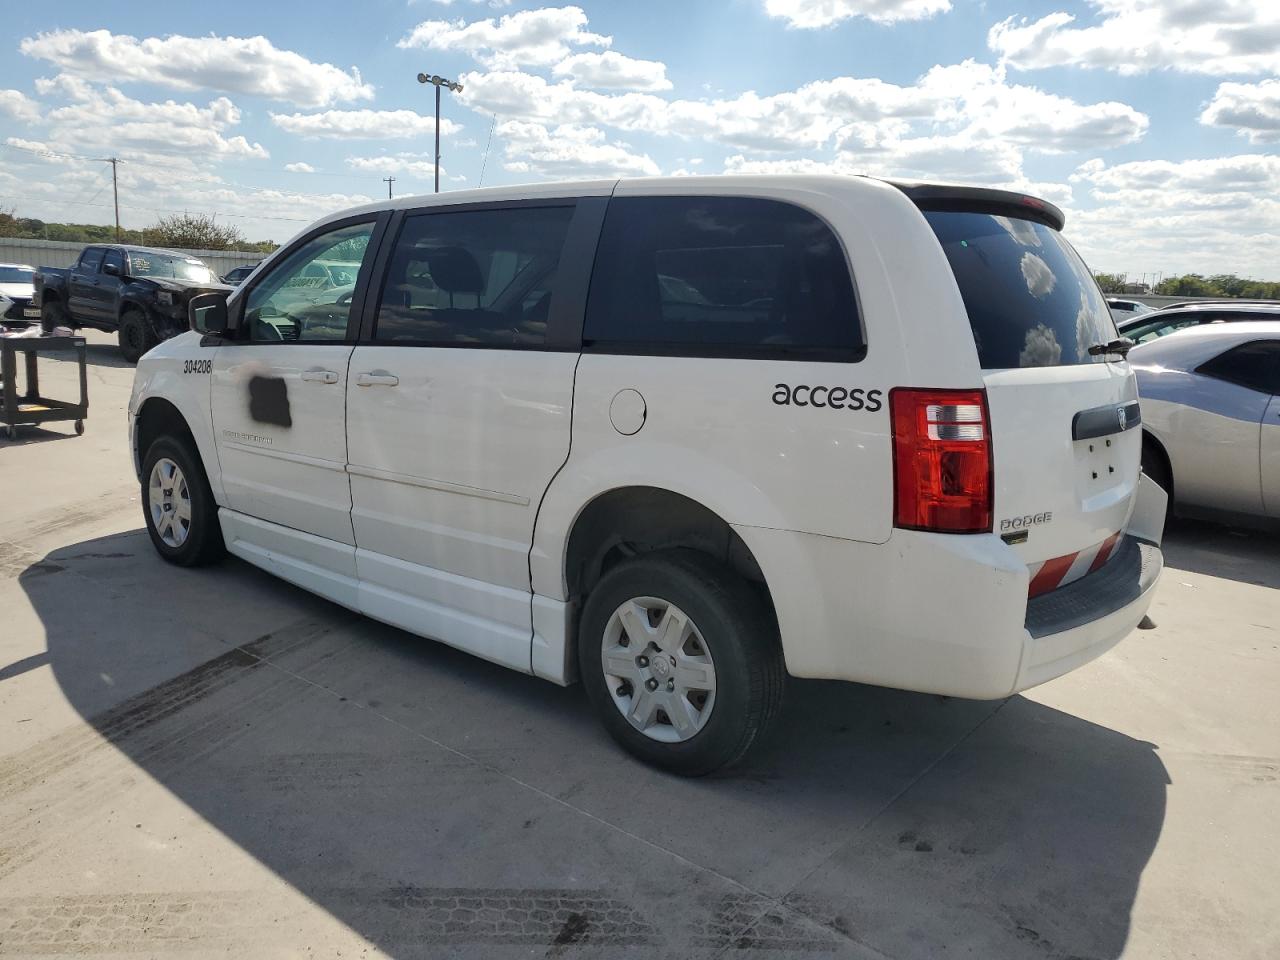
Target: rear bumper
(1072, 625)
(946, 614)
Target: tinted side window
(473, 277)
(1254, 365)
(720, 276)
(115, 259)
(90, 260)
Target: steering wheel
(345, 299)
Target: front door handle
(377, 380)
(320, 376)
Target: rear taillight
(941, 460)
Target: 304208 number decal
(197, 366)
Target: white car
(1211, 416)
(1126, 310)
(677, 438)
(16, 291)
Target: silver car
(1211, 416)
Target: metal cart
(30, 407)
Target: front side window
(1253, 365)
(114, 258)
(720, 275)
(307, 297)
(1031, 300)
(91, 260)
(473, 277)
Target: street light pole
(438, 81)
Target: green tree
(1188, 285)
(1110, 282)
(194, 231)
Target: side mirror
(207, 313)
(111, 270)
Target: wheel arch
(1150, 441)
(159, 416)
(629, 521)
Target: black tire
(135, 335)
(52, 315)
(203, 543)
(739, 633)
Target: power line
(83, 203)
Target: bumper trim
(1112, 587)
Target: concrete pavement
(213, 762)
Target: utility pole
(438, 82)
(115, 191)
(388, 181)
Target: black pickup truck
(138, 292)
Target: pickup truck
(140, 293)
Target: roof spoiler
(942, 196)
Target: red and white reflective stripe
(1060, 571)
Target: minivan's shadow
(1218, 549)
(434, 803)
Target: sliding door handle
(380, 379)
(320, 376)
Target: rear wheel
(181, 515)
(680, 659)
(135, 335)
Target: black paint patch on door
(269, 401)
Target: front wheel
(680, 658)
(51, 315)
(135, 335)
(181, 515)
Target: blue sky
(1154, 123)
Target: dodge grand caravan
(676, 438)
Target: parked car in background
(17, 287)
(236, 275)
(139, 293)
(1122, 310)
(1160, 323)
(773, 468)
(1211, 416)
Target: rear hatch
(1065, 450)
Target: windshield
(1031, 300)
(16, 274)
(169, 266)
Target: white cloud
(531, 37)
(1215, 215)
(300, 167)
(568, 151)
(945, 101)
(363, 124)
(613, 71)
(1253, 109)
(102, 119)
(1134, 36)
(414, 164)
(18, 105)
(811, 14)
(240, 65)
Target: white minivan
(676, 438)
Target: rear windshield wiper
(1119, 346)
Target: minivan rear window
(1031, 300)
(720, 276)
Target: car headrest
(455, 270)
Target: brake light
(942, 465)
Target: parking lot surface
(212, 763)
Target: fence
(59, 253)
